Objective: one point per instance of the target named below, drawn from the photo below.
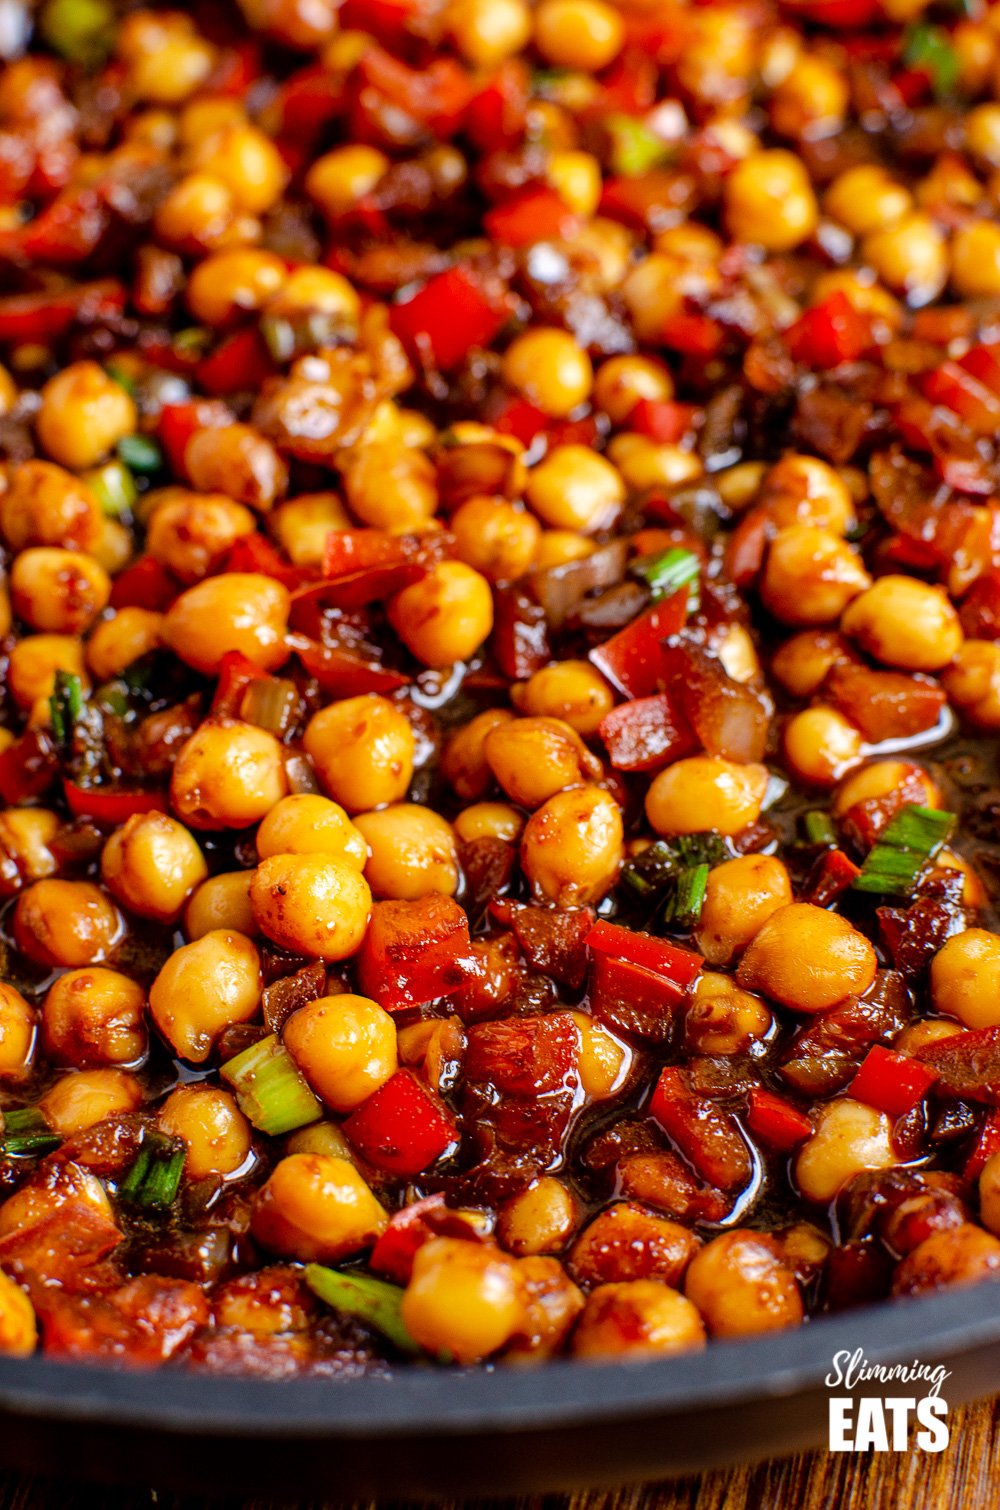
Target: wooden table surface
(965, 1476)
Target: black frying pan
(503, 1431)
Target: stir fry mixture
(500, 518)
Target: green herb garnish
(929, 50)
(635, 149)
(897, 860)
(371, 1300)
(684, 907)
(65, 707)
(668, 572)
(153, 1179)
(819, 828)
(81, 31)
(114, 488)
(141, 454)
(25, 1131)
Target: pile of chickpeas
(213, 242)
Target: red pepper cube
(144, 584)
(240, 365)
(832, 332)
(646, 734)
(707, 1135)
(776, 1122)
(891, 1082)
(661, 420)
(954, 386)
(111, 804)
(408, 1230)
(986, 1145)
(534, 215)
(236, 672)
(677, 966)
(178, 422)
(632, 659)
(415, 952)
(403, 1128)
(450, 315)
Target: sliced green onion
(153, 1179)
(82, 31)
(669, 572)
(819, 828)
(192, 341)
(700, 849)
(114, 488)
(25, 1131)
(896, 861)
(634, 148)
(271, 703)
(684, 907)
(270, 1089)
(371, 1300)
(121, 377)
(65, 706)
(140, 453)
(928, 49)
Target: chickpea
(638, 1318)
(621, 382)
(550, 370)
(318, 290)
(486, 32)
(576, 178)
(575, 489)
(989, 1194)
(573, 846)
(867, 199)
(66, 923)
(116, 642)
(569, 692)
(489, 820)
(311, 904)
(911, 256)
(804, 490)
(975, 260)
(411, 852)
(464, 1298)
(345, 1046)
(769, 200)
(207, 1119)
(557, 547)
(961, 1255)
(741, 1286)
(83, 416)
(167, 58)
(390, 487)
(8, 391)
(810, 576)
(496, 538)
(972, 682)
(919, 1034)
(965, 976)
(222, 901)
(646, 464)
(305, 824)
(906, 623)
(803, 662)
(18, 1034)
(821, 745)
(197, 215)
(578, 34)
(740, 895)
(45, 505)
(336, 181)
(191, 533)
(18, 1328)
(239, 611)
(604, 1061)
(58, 591)
(463, 760)
(982, 133)
(706, 792)
(446, 616)
(115, 548)
(83, 1098)
(229, 283)
(204, 987)
(301, 526)
(811, 100)
(886, 778)
(540, 1219)
(94, 1017)
(721, 1019)
(808, 959)
(738, 655)
(534, 758)
(33, 663)
(246, 161)
(25, 856)
(316, 1208)
(227, 775)
(363, 750)
(847, 1138)
(152, 865)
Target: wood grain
(965, 1477)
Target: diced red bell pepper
(986, 1145)
(982, 363)
(707, 1136)
(776, 1122)
(236, 672)
(28, 767)
(41, 317)
(646, 733)
(408, 1230)
(450, 315)
(521, 419)
(307, 100)
(891, 1082)
(831, 876)
(111, 804)
(178, 422)
(534, 215)
(829, 333)
(349, 551)
(436, 95)
(632, 658)
(403, 1128)
(693, 333)
(382, 18)
(255, 553)
(66, 231)
(495, 116)
(344, 673)
(745, 548)
(144, 584)
(677, 966)
(415, 952)
(661, 419)
(628, 87)
(957, 389)
(241, 364)
(839, 15)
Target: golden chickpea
(489, 820)
(233, 282)
(573, 846)
(463, 760)
(982, 133)
(116, 547)
(46, 505)
(84, 414)
(812, 99)
(301, 526)
(654, 289)
(66, 923)
(336, 181)
(227, 775)
(911, 256)
(316, 1208)
(886, 778)
(575, 489)
(363, 750)
(576, 178)
(345, 1046)
(989, 1195)
(446, 616)
(306, 824)
(496, 538)
(464, 1298)
(411, 852)
(972, 682)
(808, 959)
(197, 215)
(802, 663)
(965, 978)
(167, 58)
(486, 32)
(961, 1255)
(203, 988)
(637, 1318)
(390, 487)
(769, 201)
(866, 199)
(541, 1219)
(8, 391)
(152, 865)
(741, 1286)
(25, 856)
(621, 382)
(116, 642)
(706, 792)
(848, 1137)
(83, 1098)
(604, 1060)
(222, 901)
(557, 547)
(975, 260)
(191, 532)
(18, 1328)
(241, 611)
(246, 161)
(906, 623)
(646, 463)
(811, 575)
(569, 692)
(805, 490)
(33, 663)
(534, 758)
(740, 896)
(721, 1019)
(578, 34)
(58, 591)
(18, 1034)
(207, 1119)
(94, 1017)
(311, 904)
(821, 745)
(549, 369)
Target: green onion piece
(271, 703)
(140, 453)
(82, 31)
(700, 849)
(634, 148)
(65, 706)
(669, 572)
(371, 1300)
(153, 1179)
(684, 907)
(896, 861)
(114, 488)
(121, 377)
(25, 1131)
(270, 1089)
(819, 828)
(929, 49)
(192, 341)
